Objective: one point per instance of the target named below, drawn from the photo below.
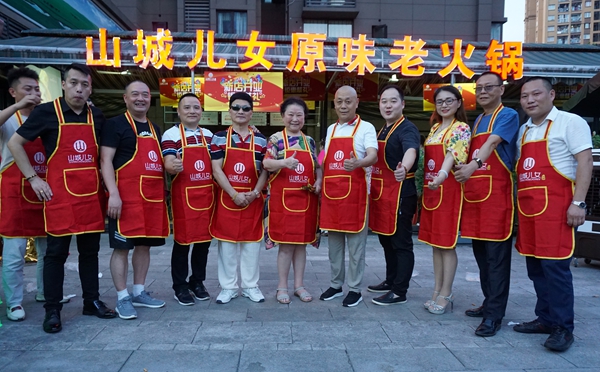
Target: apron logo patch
(339, 155)
(80, 146)
(300, 168)
(239, 168)
(528, 163)
(39, 157)
(199, 165)
(153, 156)
(431, 164)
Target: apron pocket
(432, 199)
(28, 193)
(478, 188)
(337, 187)
(152, 188)
(296, 200)
(81, 181)
(532, 201)
(228, 203)
(199, 198)
(376, 188)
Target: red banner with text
(171, 89)
(265, 88)
(466, 89)
(366, 86)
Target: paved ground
(316, 336)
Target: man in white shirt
(350, 151)
(553, 175)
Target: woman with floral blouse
(446, 145)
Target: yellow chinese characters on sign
(457, 59)
(307, 52)
(356, 53)
(210, 51)
(505, 59)
(256, 58)
(154, 49)
(411, 53)
(103, 60)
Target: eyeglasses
(486, 88)
(237, 108)
(447, 101)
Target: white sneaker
(15, 313)
(226, 295)
(254, 294)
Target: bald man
(350, 151)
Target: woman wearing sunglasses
(293, 206)
(446, 145)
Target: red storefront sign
(265, 88)
(171, 89)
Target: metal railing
(330, 3)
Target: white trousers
(228, 263)
(13, 258)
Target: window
(586, 36)
(562, 40)
(563, 18)
(587, 15)
(561, 30)
(550, 28)
(330, 28)
(588, 3)
(232, 22)
(551, 7)
(596, 26)
(586, 26)
(551, 18)
(596, 38)
(550, 39)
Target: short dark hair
(547, 83)
(500, 80)
(15, 74)
(293, 101)
(79, 67)
(460, 115)
(188, 95)
(392, 86)
(243, 96)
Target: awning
(57, 47)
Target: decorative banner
(171, 89)
(258, 119)
(366, 86)
(466, 89)
(306, 86)
(265, 88)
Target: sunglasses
(237, 108)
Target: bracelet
(256, 193)
(443, 171)
(31, 177)
(234, 196)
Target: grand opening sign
(308, 54)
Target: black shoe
(534, 326)
(382, 287)
(331, 293)
(389, 299)
(184, 298)
(352, 299)
(560, 339)
(99, 309)
(488, 328)
(52, 322)
(200, 293)
(475, 313)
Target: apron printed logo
(339, 155)
(431, 164)
(528, 163)
(239, 168)
(80, 146)
(300, 168)
(153, 156)
(39, 157)
(199, 165)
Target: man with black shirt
(132, 168)
(74, 202)
(393, 198)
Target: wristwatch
(479, 162)
(256, 193)
(580, 204)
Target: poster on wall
(309, 87)
(467, 90)
(259, 119)
(265, 88)
(366, 86)
(171, 89)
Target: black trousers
(398, 248)
(179, 265)
(493, 259)
(57, 252)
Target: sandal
(303, 294)
(283, 297)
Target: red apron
(344, 201)
(21, 212)
(488, 209)
(293, 212)
(383, 206)
(231, 222)
(543, 197)
(192, 193)
(141, 184)
(440, 215)
(78, 205)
